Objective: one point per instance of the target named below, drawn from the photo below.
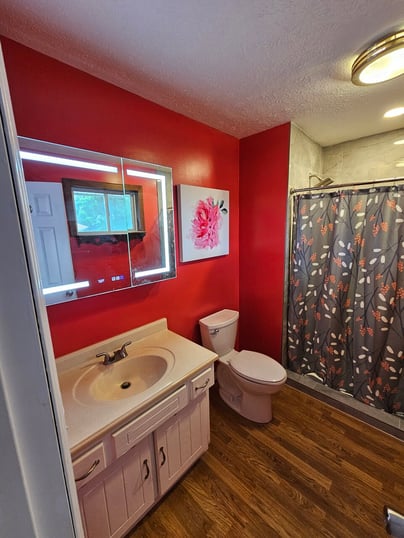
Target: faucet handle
(107, 357)
(122, 352)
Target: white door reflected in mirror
(51, 239)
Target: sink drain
(125, 385)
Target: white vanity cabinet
(113, 501)
(181, 441)
(143, 458)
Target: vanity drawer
(89, 465)
(135, 431)
(202, 382)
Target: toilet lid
(257, 367)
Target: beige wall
(355, 161)
(305, 158)
(373, 157)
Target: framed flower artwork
(203, 222)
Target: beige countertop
(86, 422)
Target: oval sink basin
(134, 374)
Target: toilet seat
(257, 367)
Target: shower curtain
(346, 293)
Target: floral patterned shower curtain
(346, 293)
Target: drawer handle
(147, 469)
(204, 385)
(164, 456)
(91, 469)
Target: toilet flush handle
(213, 331)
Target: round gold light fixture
(382, 61)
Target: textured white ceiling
(241, 66)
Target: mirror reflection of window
(104, 213)
(91, 211)
(121, 211)
(97, 208)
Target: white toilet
(246, 379)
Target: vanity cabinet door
(113, 501)
(181, 441)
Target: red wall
(264, 168)
(57, 103)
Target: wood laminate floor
(314, 471)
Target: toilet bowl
(247, 379)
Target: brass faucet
(115, 356)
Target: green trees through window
(99, 208)
(104, 212)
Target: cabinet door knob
(164, 456)
(91, 469)
(147, 469)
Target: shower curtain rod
(335, 186)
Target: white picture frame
(203, 222)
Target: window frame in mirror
(71, 186)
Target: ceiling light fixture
(382, 61)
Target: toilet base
(252, 407)
(255, 406)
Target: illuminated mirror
(101, 223)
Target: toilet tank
(219, 331)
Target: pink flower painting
(204, 222)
